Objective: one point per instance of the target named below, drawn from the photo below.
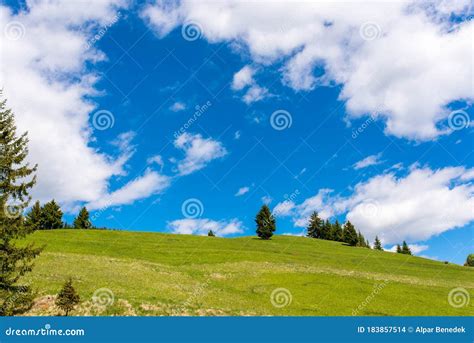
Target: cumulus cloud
(371, 160)
(371, 49)
(284, 208)
(44, 77)
(301, 213)
(415, 207)
(140, 188)
(202, 227)
(198, 152)
(254, 94)
(243, 78)
(242, 191)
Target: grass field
(163, 274)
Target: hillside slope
(163, 274)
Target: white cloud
(156, 159)
(254, 94)
(198, 151)
(202, 227)
(371, 160)
(300, 234)
(422, 204)
(142, 187)
(162, 16)
(178, 106)
(243, 78)
(284, 208)
(301, 213)
(237, 135)
(266, 199)
(242, 191)
(46, 81)
(402, 61)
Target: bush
(470, 260)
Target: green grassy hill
(163, 274)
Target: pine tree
(336, 231)
(33, 218)
(265, 223)
(51, 216)
(360, 240)
(16, 179)
(315, 226)
(67, 298)
(399, 249)
(350, 234)
(211, 233)
(377, 244)
(405, 249)
(367, 244)
(82, 220)
(326, 230)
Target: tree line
(50, 217)
(323, 229)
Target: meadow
(140, 273)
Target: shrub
(67, 298)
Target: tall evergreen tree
(405, 249)
(350, 234)
(399, 249)
(367, 244)
(82, 220)
(336, 231)
(16, 179)
(360, 239)
(51, 216)
(315, 226)
(33, 218)
(265, 223)
(211, 233)
(67, 298)
(377, 244)
(326, 230)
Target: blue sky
(303, 109)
